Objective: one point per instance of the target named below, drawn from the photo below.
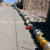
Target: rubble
(36, 16)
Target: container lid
(37, 30)
(39, 33)
(30, 24)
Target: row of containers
(38, 33)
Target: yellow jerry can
(41, 41)
(38, 39)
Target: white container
(25, 17)
(47, 46)
(37, 32)
(30, 25)
(40, 33)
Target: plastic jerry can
(38, 39)
(32, 28)
(27, 21)
(21, 13)
(37, 32)
(34, 31)
(29, 27)
(41, 41)
(25, 17)
(40, 33)
(47, 46)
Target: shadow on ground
(45, 30)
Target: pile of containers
(38, 33)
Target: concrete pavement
(13, 35)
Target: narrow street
(13, 33)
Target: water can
(27, 21)
(32, 28)
(38, 39)
(30, 24)
(37, 32)
(25, 17)
(47, 46)
(41, 41)
(29, 27)
(34, 31)
(21, 13)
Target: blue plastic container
(21, 13)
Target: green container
(41, 41)
(32, 28)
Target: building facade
(1, 1)
(35, 4)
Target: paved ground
(13, 35)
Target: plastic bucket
(38, 39)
